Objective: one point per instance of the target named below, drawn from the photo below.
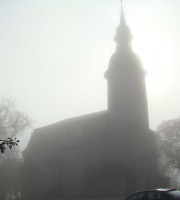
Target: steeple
(122, 17)
(127, 100)
(123, 34)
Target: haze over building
(103, 154)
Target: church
(104, 154)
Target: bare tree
(168, 141)
(12, 123)
(168, 137)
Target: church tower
(130, 143)
(127, 101)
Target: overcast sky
(53, 55)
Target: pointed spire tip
(122, 17)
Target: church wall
(130, 147)
(79, 153)
(73, 152)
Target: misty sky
(53, 55)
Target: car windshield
(175, 194)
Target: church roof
(68, 133)
(70, 120)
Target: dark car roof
(164, 190)
(159, 190)
(153, 190)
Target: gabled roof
(70, 120)
(64, 134)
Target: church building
(104, 154)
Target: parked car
(157, 194)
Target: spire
(123, 34)
(122, 17)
